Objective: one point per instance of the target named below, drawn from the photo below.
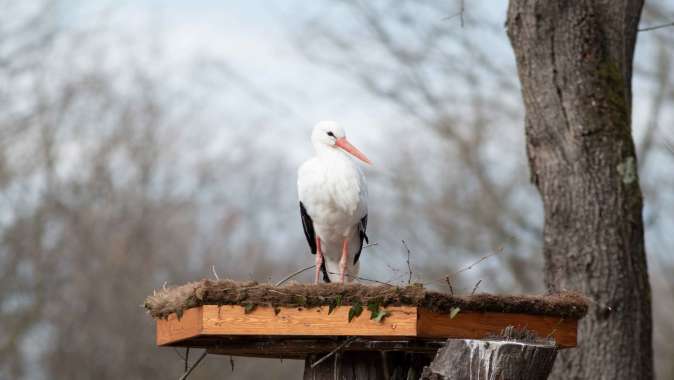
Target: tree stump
(504, 357)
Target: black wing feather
(308, 226)
(362, 227)
(326, 278)
(310, 234)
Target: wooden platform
(296, 332)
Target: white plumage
(333, 201)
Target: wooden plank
(172, 329)
(475, 325)
(232, 320)
(210, 325)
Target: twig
(475, 288)
(367, 279)
(362, 278)
(215, 274)
(655, 27)
(187, 373)
(293, 275)
(551, 333)
(231, 362)
(346, 274)
(344, 344)
(462, 10)
(483, 258)
(179, 354)
(409, 267)
(469, 267)
(554, 330)
(370, 245)
(390, 267)
(187, 358)
(449, 283)
(451, 17)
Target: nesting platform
(297, 320)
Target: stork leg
(344, 260)
(319, 259)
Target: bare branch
(409, 266)
(313, 266)
(179, 354)
(475, 287)
(215, 273)
(481, 259)
(187, 373)
(670, 24)
(363, 279)
(341, 346)
(449, 283)
(294, 274)
(187, 358)
(460, 13)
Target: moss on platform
(226, 292)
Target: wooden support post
(366, 365)
(514, 355)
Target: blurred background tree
(123, 168)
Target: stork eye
(331, 134)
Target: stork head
(330, 135)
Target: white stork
(333, 202)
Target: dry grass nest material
(226, 292)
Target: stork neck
(331, 153)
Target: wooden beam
(209, 325)
(233, 320)
(472, 325)
(174, 329)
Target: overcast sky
(255, 39)
(278, 86)
(271, 84)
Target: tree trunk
(574, 61)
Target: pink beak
(346, 145)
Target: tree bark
(574, 61)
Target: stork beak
(343, 143)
